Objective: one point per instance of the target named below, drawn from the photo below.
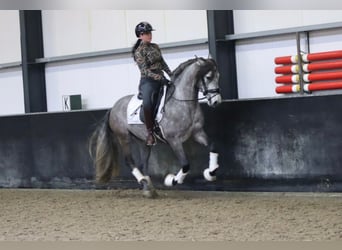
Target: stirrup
(151, 140)
(157, 131)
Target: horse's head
(208, 81)
(203, 75)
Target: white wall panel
(102, 81)
(10, 50)
(260, 20)
(108, 29)
(98, 81)
(327, 40)
(65, 32)
(321, 16)
(255, 64)
(11, 92)
(185, 25)
(71, 32)
(11, 84)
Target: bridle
(204, 90)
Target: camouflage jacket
(151, 62)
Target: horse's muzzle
(214, 100)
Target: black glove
(165, 81)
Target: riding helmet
(143, 27)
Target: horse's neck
(185, 87)
(183, 104)
(185, 93)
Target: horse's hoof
(169, 180)
(208, 176)
(151, 194)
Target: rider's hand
(165, 81)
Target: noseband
(206, 91)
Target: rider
(151, 65)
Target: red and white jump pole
(322, 86)
(308, 67)
(287, 79)
(322, 76)
(309, 57)
(285, 89)
(322, 56)
(314, 74)
(288, 69)
(286, 60)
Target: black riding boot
(150, 140)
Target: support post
(300, 63)
(31, 49)
(221, 23)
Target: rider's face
(146, 37)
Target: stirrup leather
(157, 131)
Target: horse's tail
(104, 151)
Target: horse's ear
(211, 59)
(200, 61)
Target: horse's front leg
(171, 179)
(210, 172)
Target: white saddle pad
(134, 106)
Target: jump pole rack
(307, 72)
(300, 62)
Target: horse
(181, 120)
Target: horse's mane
(208, 65)
(182, 66)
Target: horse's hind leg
(144, 180)
(148, 188)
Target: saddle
(135, 113)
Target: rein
(205, 91)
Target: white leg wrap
(213, 161)
(169, 180)
(137, 174)
(208, 176)
(212, 167)
(180, 176)
(148, 179)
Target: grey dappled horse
(182, 119)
